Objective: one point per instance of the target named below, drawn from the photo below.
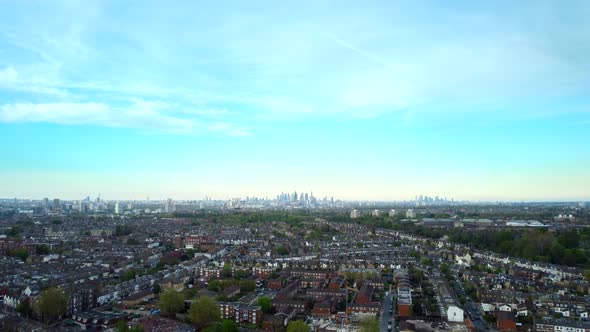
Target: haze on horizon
(379, 101)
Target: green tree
(203, 312)
(229, 326)
(247, 285)
(570, 239)
(417, 309)
(129, 275)
(52, 304)
(14, 231)
(122, 326)
(24, 307)
(587, 274)
(282, 251)
(189, 293)
(133, 241)
(42, 249)
(171, 302)
(241, 274)
(157, 288)
(226, 272)
(136, 328)
(122, 230)
(265, 304)
(20, 253)
(189, 253)
(298, 326)
(370, 324)
(214, 286)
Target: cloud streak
(139, 115)
(366, 54)
(355, 63)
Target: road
(386, 313)
(471, 309)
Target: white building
(375, 213)
(463, 260)
(355, 214)
(454, 314)
(392, 213)
(410, 214)
(117, 208)
(169, 206)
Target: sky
(371, 100)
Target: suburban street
(471, 309)
(387, 314)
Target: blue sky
(371, 100)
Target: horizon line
(335, 199)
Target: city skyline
(379, 101)
(427, 201)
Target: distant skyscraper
(169, 206)
(117, 208)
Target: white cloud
(61, 113)
(8, 74)
(134, 116)
(367, 54)
(11, 80)
(229, 128)
(356, 61)
(141, 114)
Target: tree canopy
(171, 302)
(122, 327)
(129, 275)
(297, 326)
(228, 326)
(370, 324)
(282, 251)
(42, 249)
(204, 312)
(20, 253)
(565, 247)
(157, 289)
(122, 230)
(265, 304)
(52, 304)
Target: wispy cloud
(229, 128)
(356, 63)
(135, 116)
(366, 54)
(11, 80)
(8, 75)
(145, 115)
